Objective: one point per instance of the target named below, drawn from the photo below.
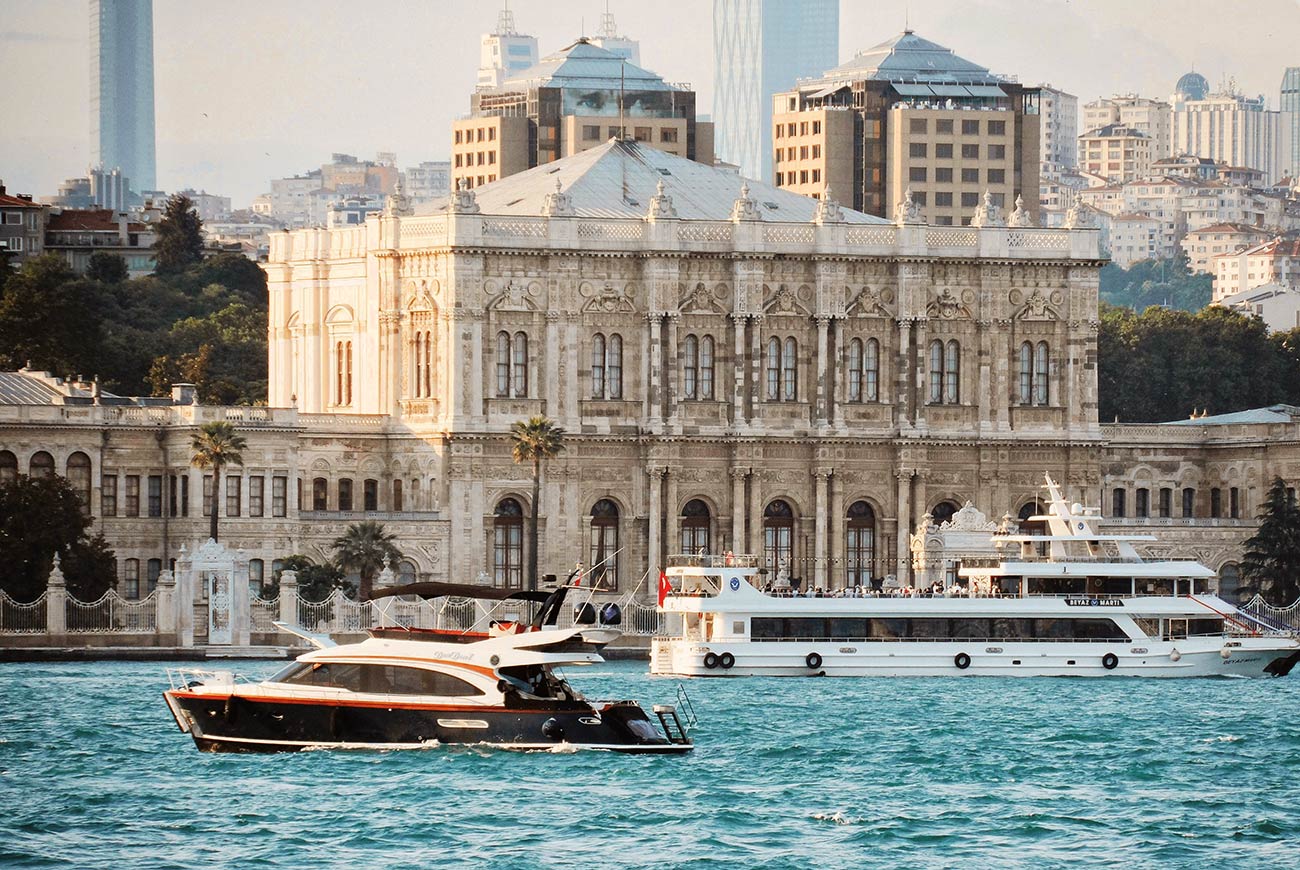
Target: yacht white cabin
(1073, 602)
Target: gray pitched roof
(1271, 414)
(17, 388)
(617, 180)
(909, 58)
(583, 65)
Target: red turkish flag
(664, 587)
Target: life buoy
(726, 660)
(1110, 661)
(813, 661)
(710, 660)
(962, 661)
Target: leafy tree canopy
(1156, 282)
(1272, 561)
(38, 518)
(107, 268)
(179, 242)
(315, 582)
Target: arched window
(789, 371)
(319, 494)
(519, 382)
(690, 367)
(79, 477)
(41, 465)
(604, 544)
(1230, 583)
(345, 493)
(1040, 374)
(855, 370)
(398, 504)
(598, 366)
(773, 369)
(422, 364)
(503, 364)
(1033, 527)
(370, 495)
(406, 572)
(614, 366)
(508, 545)
(952, 374)
(343, 373)
(706, 367)
(8, 467)
(936, 372)
(778, 538)
(872, 371)
(695, 527)
(943, 512)
(1026, 373)
(859, 544)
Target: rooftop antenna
(506, 19)
(608, 28)
(907, 18)
(622, 67)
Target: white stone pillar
(185, 599)
(241, 616)
(289, 597)
(822, 408)
(553, 352)
(654, 476)
(56, 602)
(656, 370)
(166, 618)
(819, 531)
(737, 544)
(672, 514)
(739, 370)
(904, 373)
(670, 373)
(755, 517)
(903, 511)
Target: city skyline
(272, 117)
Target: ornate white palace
(737, 367)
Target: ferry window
(778, 532)
(398, 680)
(1118, 499)
(1142, 502)
(695, 527)
(1205, 626)
(847, 628)
(604, 544)
(508, 545)
(1189, 502)
(860, 544)
(1166, 502)
(331, 674)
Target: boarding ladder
(674, 729)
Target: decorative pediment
(515, 297)
(949, 306)
(784, 300)
(970, 519)
(700, 300)
(1039, 306)
(870, 302)
(607, 298)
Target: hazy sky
(248, 90)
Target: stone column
(289, 597)
(656, 370)
(755, 517)
(671, 513)
(669, 371)
(839, 376)
(240, 610)
(654, 477)
(553, 352)
(903, 511)
(185, 600)
(820, 477)
(737, 544)
(755, 365)
(905, 374)
(56, 602)
(739, 369)
(921, 375)
(477, 407)
(166, 618)
(822, 407)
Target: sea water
(974, 772)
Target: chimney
(182, 394)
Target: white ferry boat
(1073, 602)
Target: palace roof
(1271, 414)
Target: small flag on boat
(664, 587)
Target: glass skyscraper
(761, 47)
(121, 89)
(1291, 116)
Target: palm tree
(363, 548)
(216, 445)
(536, 439)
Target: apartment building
(1116, 152)
(1150, 117)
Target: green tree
(315, 582)
(1166, 282)
(179, 242)
(51, 317)
(1272, 560)
(215, 446)
(38, 518)
(536, 440)
(107, 268)
(363, 548)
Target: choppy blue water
(788, 773)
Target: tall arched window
(859, 544)
(503, 364)
(398, 503)
(1026, 373)
(343, 373)
(345, 494)
(773, 369)
(706, 367)
(695, 527)
(508, 545)
(778, 537)
(872, 371)
(691, 367)
(604, 544)
(422, 364)
(319, 494)
(942, 512)
(855, 370)
(614, 366)
(8, 467)
(952, 374)
(79, 477)
(789, 371)
(1040, 374)
(1230, 582)
(519, 381)
(1033, 527)
(428, 364)
(936, 372)
(406, 572)
(598, 366)
(41, 465)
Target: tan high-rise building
(573, 100)
(909, 114)
(1116, 152)
(1150, 117)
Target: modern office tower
(121, 89)
(574, 99)
(761, 47)
(505, 51)
(1058, 130)
(1228, 127)
(1290, 106)
(908, 114)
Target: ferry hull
(1191, 657)
(241, 723)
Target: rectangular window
(943, 125)
(233, 494)
(969, 200)
(1216, 503)
(918, 125)
(133, 495)
(919, 198)
(1234, 503)
(155, 495)
(667, 135)
(108, 495)
(917, 149)
(397, 495)
(970, 128)
(816, 176)
(185, 495)
(207, 495)
(803, 152)
(279, 488)
(172, 486)
(1142, 504)
(817, 127)
(916, 173)
(345, 494)
(943, 198)
(256, 491)
(997, 152)
(943, 175)
(997, 128)
(943, 150)
(1119, 500)
(816, 151)
(370, 495)
(970, 152)
(997, 176)
(591, 132)
(1166, 502)
(970, 176)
